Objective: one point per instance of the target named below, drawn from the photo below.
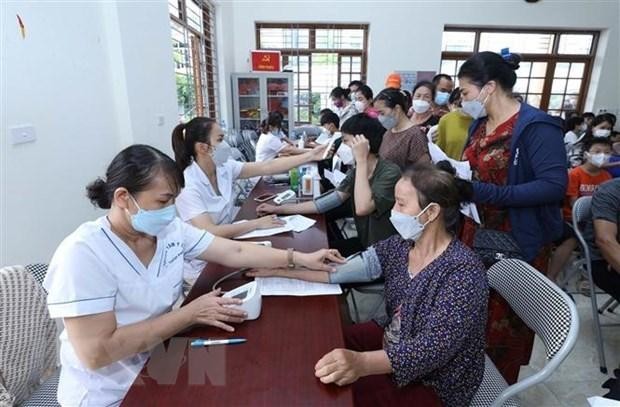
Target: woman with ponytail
(430, 352)
(207, 201)
(113, 281)
(342, 105)
(272, 141)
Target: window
(555, 70)
(322, 56)
(193, 43)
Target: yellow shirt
(452, 133)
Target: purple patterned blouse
(438, 318)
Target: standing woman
(363, 101)
(403, 143)
(342, 105)
(207, 201)
(113, 281)
(422, 106)
(518, 160)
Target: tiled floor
(577, 378)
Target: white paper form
(296, 223)
(293, 287)
(463, 171)
(335, 177)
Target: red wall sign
(266, 61)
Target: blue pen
(210, 342)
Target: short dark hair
(186, 135)
(601, 118)
(359, 84)
(330, 117)
(487, 66)
(611, 117)
(365, 91)
(438, 185)
(596, 140)
(437, 78)
(370, 127)
(134, 168)
(394, 97)
(573, 121)
(424, 84)
(588, 114)
(274, 119)
(339, 93)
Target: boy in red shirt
(582, 181)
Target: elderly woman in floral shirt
(431, 353)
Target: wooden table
(276, 365)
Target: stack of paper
(294, 287)
(295, 223)
(335, 177)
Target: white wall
(92, 77)
(406, 35)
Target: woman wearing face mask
(114, 280)
(421, 111)
(453, 127)
(363, 101)
(518, 160)
(271, 142)
(576, 128)
(207, 201)
(342, 105)
(370, 185)
(431, 352)
(403, 143)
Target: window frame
(202, 47)
(552, 58)
(312, 49)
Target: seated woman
(370, 184)
(114, 280)
(207, 201)
(422, 104)
(436, 292)
(270, 144)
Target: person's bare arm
(606, 233)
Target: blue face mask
(152, 222)
(441, 98)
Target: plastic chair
(546, 309)
(582, 214)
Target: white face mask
(360, 106)
(346, 154)
(601, 132)
(221, 154)
(599, 159)
(474, 108)
(420, 106)
(409, 227)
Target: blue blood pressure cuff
(328, 201)
(360, 268)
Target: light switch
(23, 134)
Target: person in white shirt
(271, 142)
(207, 201)
(576, 129)
(114, 280)
(342, 104)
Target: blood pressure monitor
(250, 296)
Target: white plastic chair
(546, 309)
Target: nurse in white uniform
(271, 143)
(114, 280)
(207, 200)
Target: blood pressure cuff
(360, 268)
(328, 201)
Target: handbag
(494, 245)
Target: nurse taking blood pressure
(113, 281)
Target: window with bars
(322, 56)
(193, 43)
(556, 64)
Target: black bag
(494, 245)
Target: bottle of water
(294, 179)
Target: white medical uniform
(94, 271)
(199, 197)
(268, 147)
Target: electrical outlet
(23, 134)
